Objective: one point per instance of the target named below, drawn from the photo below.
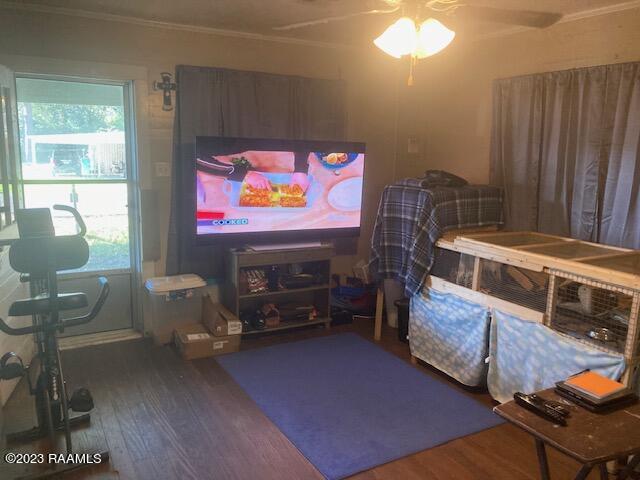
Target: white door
(76, 150)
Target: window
(71, 130)
(73, 141)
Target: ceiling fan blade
(337, 18)
(526, 18)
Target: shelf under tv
(290, 325)
(284, 291)
(317, 259)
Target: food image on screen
(336, 158)
(292, 196)
(263, 186)
(257, 197)
(279, 195)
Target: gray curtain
(620, 181)
(221, 102)
(515, 148)
(565, 148)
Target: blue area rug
(348, 405)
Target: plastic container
(175, 301)
(403, 319)
(357, 300)
(341, 316)
(352, 292)
(393, 290)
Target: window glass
(71, 129)
(74, 153)
(104, 210)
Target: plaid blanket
(411, 219)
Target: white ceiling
(260, 16)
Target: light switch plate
(163, 169)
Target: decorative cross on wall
(166, 85)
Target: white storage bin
(175, 301)
(393, 290)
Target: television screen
(265, 189)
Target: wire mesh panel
(465, 270)
(593, 312)
(445, 264)
(453, 266)
(521, 286)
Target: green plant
(241, 162)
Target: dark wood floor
(164, 418)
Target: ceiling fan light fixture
(400, 38)
(432, 38)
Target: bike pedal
(81, 400)
(11, 371)
(11, 366)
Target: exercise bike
(38, 255)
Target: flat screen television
(272, 191)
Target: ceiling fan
(420, 35)
(526, 18)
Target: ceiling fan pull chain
(412, 63)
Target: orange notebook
(594, 384)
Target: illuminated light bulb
(433, 37)
(401, 38)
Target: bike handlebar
(64, 208)
(18, 331)
(76, 216)
(102, 297)
(62, 324)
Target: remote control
(537, 405)
(557, 406)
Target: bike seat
(40, 305)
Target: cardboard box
(220, 321)
(195, 341)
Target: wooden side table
(590, 438)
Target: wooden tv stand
(236, 297)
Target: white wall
(11, 290)
(10, 287)
(68, 45)
(55, 42)
(452, 99)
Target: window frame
(10, 157)
(130, 177)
